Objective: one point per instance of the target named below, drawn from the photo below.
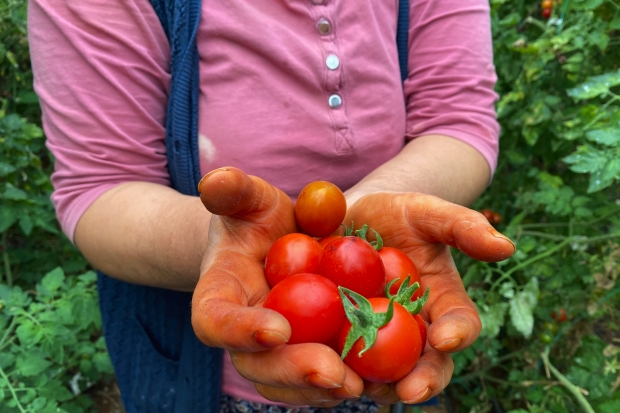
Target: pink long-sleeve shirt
(290, 90)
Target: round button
(332, 62)
(335, 101)
(324, 26)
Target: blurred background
(551, 313)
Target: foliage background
(556, 188)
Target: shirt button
(332, 62)
(324, 26)
(335, 101)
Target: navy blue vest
(160, 365)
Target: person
(290, 92)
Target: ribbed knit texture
(160, 365)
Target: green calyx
(362, 232)
(364, 321)
(404, 294)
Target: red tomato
(354, 264)
(395, 352)
(326, 240)
(497, 218)
(398, 266)
(291, 254)
(560, 317)
(547, 4)
(546, 13)
(320, 208)
(488, 214)
(311, 304)
(423, 331)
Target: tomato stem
(404, 294)
(364, 321)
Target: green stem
(7, 332)
(574, 390)
(12, 390)
(5, 258)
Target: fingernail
(342, 393)
(381, 390)
(316, 380)
(269, 338)
(449, 345)
(422, 397)
(498, 234)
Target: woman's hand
(249, 215)
(424, 226)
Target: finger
(454, 320)
(324, 383)
(428, 378)
(432, 220)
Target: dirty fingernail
(342, 393)
(316, 380)
(269, 338)
(449, 345)
(498, 234)
(422, 397)
(381, 390)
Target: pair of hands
(249, 215)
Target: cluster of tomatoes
(494, 218)
(358, 297)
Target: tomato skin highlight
(353, 263)
(398, 266)
(291, 254)
(396, 351)
(320, 208)
(311, 304)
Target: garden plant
(550, 313)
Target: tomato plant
(399, 266)
(354, 263)
(291, 254)
(559, 316)
(320, 208)
(311, 304)
(384, 344)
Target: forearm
(433, 164)
(145, 234)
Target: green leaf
(14, 194)
(596, 86)
(53, 279)
(6, 168)
(492, 318)
(609, 136)
(31, 365)
(612, 406)
(29, 334)
(522, 307)
(8, 217)
(26, 224)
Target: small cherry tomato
(395, 352)
(497, 218)
(547, 4)
(488, 214)
(326, 240)
(353, 263)
(320, 208)
(560, 316)
(291, 254)
(546, 338)
(546, 13)
(552, 327)
(398, 265)
(311, 304)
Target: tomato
(311, 304)
(546, 13)
(546, 338)
(326, 240)
(552, 327)
(395, 352)
(497, 218)
(547, 4)
(320, 208)
(353, 263)
(291, 254)
(560, 316)
(398, 266)
(488, 214)
(423, 330)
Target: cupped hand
(424, 227)
(248, 216)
